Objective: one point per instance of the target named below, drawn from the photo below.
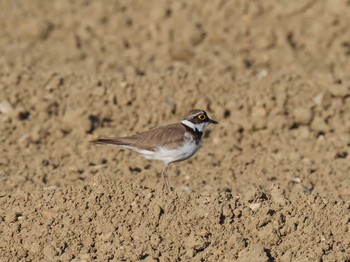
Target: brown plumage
(169, 136)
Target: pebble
(186, 189)
(302, 116)
(5, 107)
(323, 99)
(339, 91)
(106, 236)
(303, 132)
(255, 206)
(259, 117)
(319, 125)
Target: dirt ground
(271, 182)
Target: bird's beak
(211, 121)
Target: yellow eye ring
(201, 117)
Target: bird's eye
(201, 117)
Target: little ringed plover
(170, 143)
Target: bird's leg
(165, 177)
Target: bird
(170, 143)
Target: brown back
(166, 136)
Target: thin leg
(165, 177)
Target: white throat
(200, 127)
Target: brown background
(270, 183)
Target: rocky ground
(271, 181)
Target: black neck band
(196, 133)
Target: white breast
(188, 149)
(167, 155)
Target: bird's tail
(109, 141)
(122, 141)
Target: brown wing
(168, 136)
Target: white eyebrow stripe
(189, 124)
(195, 127)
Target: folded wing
(166, 136)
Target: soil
(270, 182)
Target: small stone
(106, 236)
(186, 189)
(204, 233)
(339, 90)
(5, 107)
(296, 180)
(255, 206)
(324, 99)
(304, 132)
(259, 117)
(319, 125)
(123, 84)
(302, 116)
